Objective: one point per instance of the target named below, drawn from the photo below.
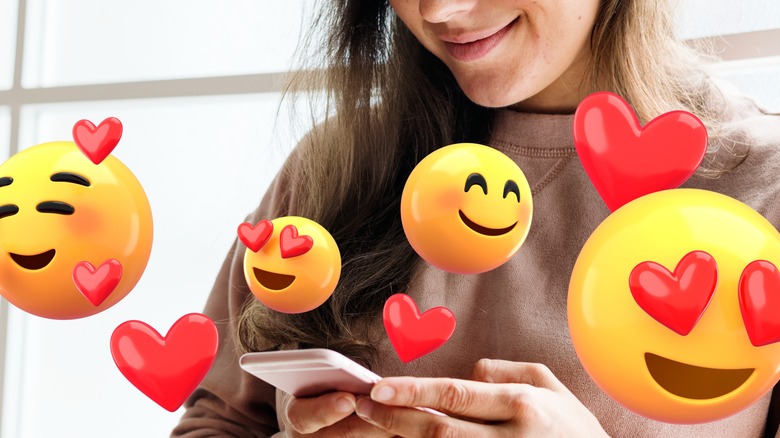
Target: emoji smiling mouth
(33, 262)
(484, 230)
(694, 382)
(272, 280)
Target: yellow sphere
(52, 220)
(709, 373)
(466, 208)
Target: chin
(493, 98)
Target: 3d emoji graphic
(75, 225)
(166, 368)
(411, 334)
(674, 306)
(292, 264)
(466, 208)
(625, 160)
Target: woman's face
(527, 53)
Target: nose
(440, 11)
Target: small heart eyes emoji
(293, 245)
(254, 237)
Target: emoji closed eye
(55, 207)
(511, 187)
(8, 210)
(476, 179)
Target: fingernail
(344, 405)
(382, 393)
(364, 408)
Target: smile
(33, 262)
(484, 230)
(272, 280)
(694, 382)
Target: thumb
(504, 371)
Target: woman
(410, 76)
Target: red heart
(675, 300)
(414, 335)
(255, 237)
(166, 369)
(97, 143)
(625, 160)
(97, 284)
(759, 301)
(293, 245)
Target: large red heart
(625, 160)
(166, 369)
(255, 237)
(759, 302)
(97, 284)
(676, 300)
(97, 142)
(293, 245)
(414, 335)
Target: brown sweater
(518, 311)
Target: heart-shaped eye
(254, 237)
(97, 142)
(676, 300)
(759, 302)
(293, 245)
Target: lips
(34, 262)
(272, 280)
(693, 382)
(470, 48)
(482, 229)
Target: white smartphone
(311, 372)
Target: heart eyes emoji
(291, 244)
(678, 299)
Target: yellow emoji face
(673, 306)
(75, 237)
(466, 208)
(292, 264)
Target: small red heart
(759, 302)
(97, 143)
(675, 300)
(414, 335)
(255, 237)
(625, 160)
(293, 245)
(166, 369)
(97, 284)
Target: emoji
(75, 236)
(674, 306)
(466, 208)
(292, 264)
(625, 160)
(411, 334)
(166, 369)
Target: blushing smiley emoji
(466, 208)
(75, 226)
(674, 306)
(291, 264)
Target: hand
(329, 415)
(507, 399)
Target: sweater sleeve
(229, 401)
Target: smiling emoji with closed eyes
(466, 208)
(75, 236)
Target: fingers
(478, 400)
(413, 423)
(503, 371)
(353, 427)
(308, 415)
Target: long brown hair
(390, 103)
